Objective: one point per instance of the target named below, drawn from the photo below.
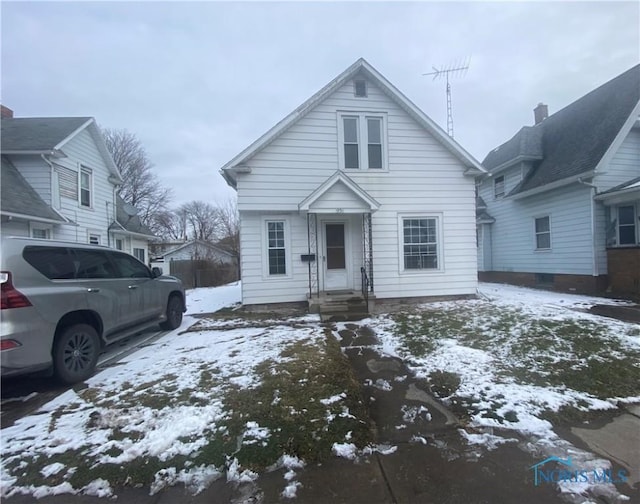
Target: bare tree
(141, 187)
(171, 224)
(203, 219)
(229, 225)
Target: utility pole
(453, 71)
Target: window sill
(543, 250)
(420, 272)
(366, 170)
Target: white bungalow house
(562, 207)
(356, 189)
(59, 182)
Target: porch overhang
(338, 194)
(625, 193)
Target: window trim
(439, 217)
(266, 275)
(94, 233)
(33, 226)
(84, 170)
(635, 225)
(500, 195)
(355, 88)
(363, 139)
(133, 253)
(536, 233)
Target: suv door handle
(91, 289)
(133, 287)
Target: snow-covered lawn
(226, 396)
(512, 358)
(191, 407)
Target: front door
(336, 267)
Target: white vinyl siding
(625, 164)
(422, 178)
(37, 173)
(513, 242)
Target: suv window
(53, 262)
(129, 267)
(93, 264)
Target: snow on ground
(208, 300)
(120, 416)
(486, 357)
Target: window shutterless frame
(498, 187)
(276, 248)
(420, 240)
(542, 233)
(627, 228)
(362, 139)
(86, 187)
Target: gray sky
(198, 82)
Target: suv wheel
(75, 353)
(174, 314)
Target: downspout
(108, 231)
(592, 202)
(44, 158)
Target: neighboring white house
(355, 181)
(562, 207)
(59, 182)
(192, 250)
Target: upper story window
(94, 239)
(498, 187)
(86, 184)
(360, 88)
(543, 233)
(362, 140)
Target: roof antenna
(455, 70)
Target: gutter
(38, 219)
(553, 185)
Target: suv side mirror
(156, 272)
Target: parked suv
(63, 302)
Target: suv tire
(174, 314)
(75, 353)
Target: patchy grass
(559, 351)
(287, 403)
(281, 414)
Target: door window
(93, 264)
(335, 246)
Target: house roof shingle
(19, 198)
(34, 134)
(126, 222)
(574, 139)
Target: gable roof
(363, 68)
(574, 140)
(48, 135)
(203, 243)
(129, 223)
(336, 178)
(19, 199)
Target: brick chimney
(5, 112)
(540, 113)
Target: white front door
(336, 256)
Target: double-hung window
(627, 225)
(498, 187)
(420, 243)
(362, 141)
(276, 248)
(85, 187)
(543, 233)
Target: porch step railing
(365, 285)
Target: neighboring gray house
(192, 250)
(355, 190)
(562, 206)
(59, 182)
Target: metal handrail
(365, 285)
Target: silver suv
(63, 302)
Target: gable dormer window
(360, 88)
(498, 187)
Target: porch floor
(340, 305)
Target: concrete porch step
(339, 306)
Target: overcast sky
(198, 82)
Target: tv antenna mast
(454, 70)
